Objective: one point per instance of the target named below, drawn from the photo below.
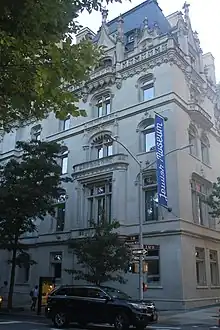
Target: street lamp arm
(168, 153)
(124, 146)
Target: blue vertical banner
(160, 161)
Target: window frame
(205, 146)
(193, 141)
(93, 201)
(54, 262)
(36, 133)
(216, 264)
(102, 147)
(149, 187)
(64, 162)
(57, 205)
(148, 258)
(146, 131)
(199, 195)
(146, 83)
(200, 260)
(103, 105)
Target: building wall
(175, 232)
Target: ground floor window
(214, 269)
(56, 264)
(152, 260)
(200, 266)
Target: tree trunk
(12, 278)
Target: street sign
(137, 258)
(139, 251)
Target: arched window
(102, 105)
(64, 160)
(147, 129)
(193, 140)
(102, 146)
(146, 88)
(205, 149)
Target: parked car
(99, 305)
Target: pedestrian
(34, 296)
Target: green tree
(29, 187)
(41, 68)
(102, 256)
(214, 199)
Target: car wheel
(60, 320)
(121, 321)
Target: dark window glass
(61, 292)
(57, 270)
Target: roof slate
(133, 19)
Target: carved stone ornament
(118, 81)
(85, 97)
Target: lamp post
(141, 204)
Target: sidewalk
(206, 316)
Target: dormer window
(131, 37)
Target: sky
(205, 19)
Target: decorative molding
(103, 165)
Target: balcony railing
(199, 115)
(102, 162)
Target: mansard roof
(133, 19)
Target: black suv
(98, 304)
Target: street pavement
(9, 323)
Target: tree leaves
(102, 256)
(39, 59)
(28, 189)
(214, 200)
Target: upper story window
(146, 85)
(102, 147)
(64, 160)
(193, 140)
(147, 130)
(36, 133)
(200, 190)
(103, 106)
(66, 123)
(100, 201)
(205, 149)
